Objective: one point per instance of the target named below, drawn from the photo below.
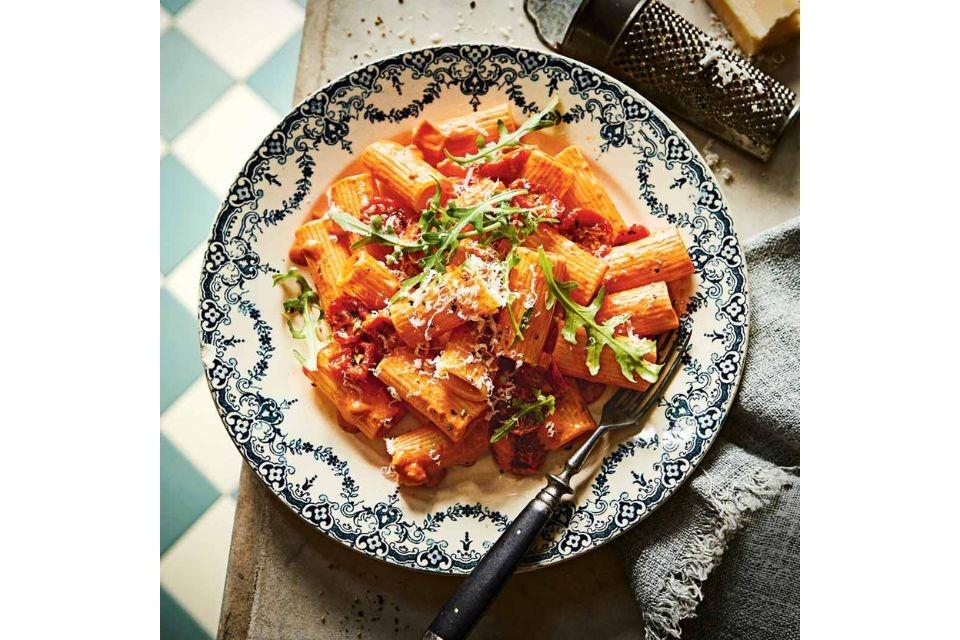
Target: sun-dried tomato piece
(346, 315)
(590, 391)
(507, 167)
(587, 228)
(557, 382)
(451, 169)
(520, 454)
(356, 360)
(630, 234)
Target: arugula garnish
(543, 120)
(307, 306)
(540, 408)
(442, 229)
(524, 323)
(629, 350)
(372, 232)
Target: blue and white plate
(334, 480)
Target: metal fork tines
(625, 408)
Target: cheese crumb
(436, 38)
(712, 159)
(389, 472)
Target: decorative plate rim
(722, 212)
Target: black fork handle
(460, 614)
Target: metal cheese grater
(652, 48)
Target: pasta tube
(569, 420)
(661, 256)
(365, 406)
(528, 309)
(458, 135)
(367, 279)
(443, 304)
(461, 133)
(584, 268)
(586, 190)
(325, 254)
(649, 307)
(463, 358)
(353, 193)
(571, 360)
(407, 374)
(421, 456)
(402, 171)
(544, 170)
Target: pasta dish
(481, 286)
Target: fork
(625, 408)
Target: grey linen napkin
(721, 558)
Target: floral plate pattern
(334, 480)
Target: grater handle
(682, 69)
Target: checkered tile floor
(227, 70)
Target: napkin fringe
(681, 591)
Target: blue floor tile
(175, 623)
(184, 494)
(173, 6)
(179, 349)
(187, 210)
(275, 79)
(189, 83)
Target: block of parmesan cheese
(759, 24)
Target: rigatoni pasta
(586, 190)
(569, 421)
(571, 360)
(524, 324)
(648, 309)
(409, 375)
(353, 193)
(367, 279)
(422, 455)
(366, 405)
(661, 257)
(583, 268)
(543, 170)
(458, 296)
(467, 359)
(326, 255)
(470, 279)
(402, 172)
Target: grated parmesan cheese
(389, 472)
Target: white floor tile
(240, 35)
(184, 281)
(193, 425)
(165, 20)
(194, 568)
(218, 143)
